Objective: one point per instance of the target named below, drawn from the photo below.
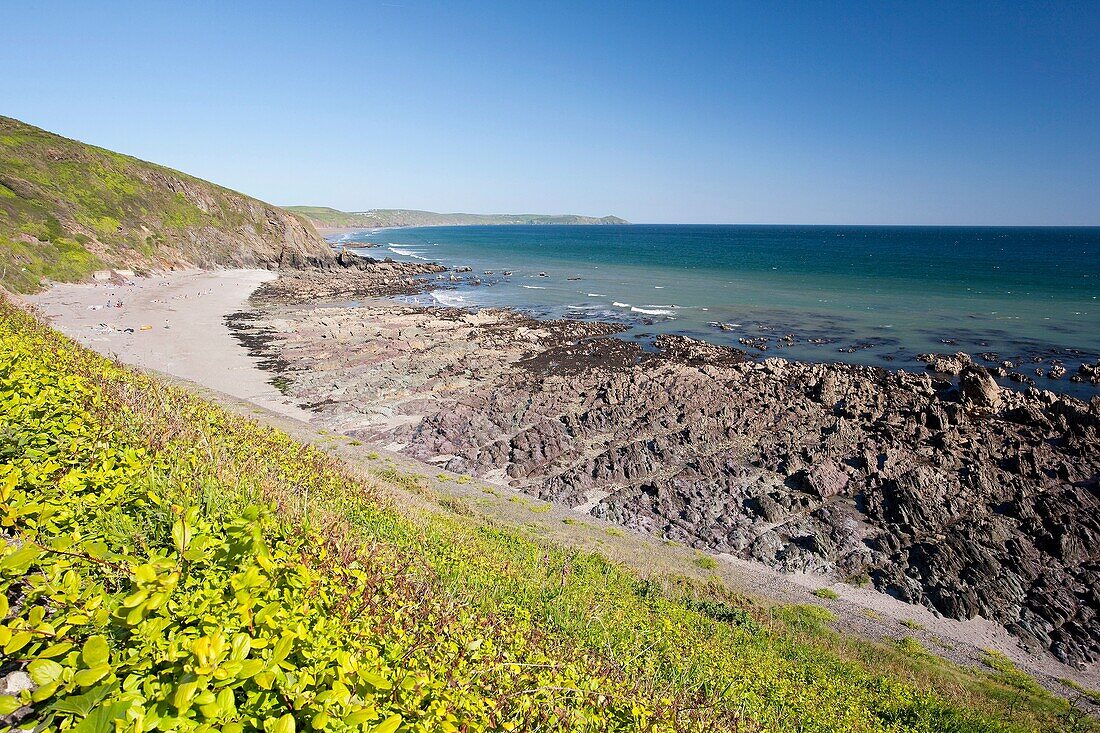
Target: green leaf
(55, 650)
(88, 677)
(95, 651)
(250, 668)
(17, 642)
(102, 719)
(282, 647)
(184, 694)
(9, 704)
(285, 724)
(389, 725)
(81, 705)
(19, 561)
(181, 535)
(44, 671)
(376, 681)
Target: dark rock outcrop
(970, 499)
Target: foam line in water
(448, 299)
(404, 252)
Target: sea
(874, 295)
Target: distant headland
(327, 218)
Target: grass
(911, 624)
(1092, 695)
(805, 617)
(201, 569)
(706, 562)
(826, 593)
(911, 647)
(1009, 674)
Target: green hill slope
(67, 209)
(326, 217)
(166, 565)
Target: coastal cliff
(322, 216)
(68, 209)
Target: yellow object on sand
(146, 328)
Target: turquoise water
(869, 295)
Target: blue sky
(877, 112)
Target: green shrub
(827, 593)
(1009, 674)
(910, 646)
(706, 562)
(721, 611)
(805, 617)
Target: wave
(651, 311)
(404, 252)
(533, 287)
(448, 299)
(596, 295)
(617, 304)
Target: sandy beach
(173, 323)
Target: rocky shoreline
(943, 490)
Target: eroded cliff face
(955, 494)
(239, 231)
(67, 209)
(234, 231)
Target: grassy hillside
(323, 216)
(67, 209)
(165, 565)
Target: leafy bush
(721, 611)
(805, 617)
(826, 593)
(911, 646)
(1009, 673)
(706, 562)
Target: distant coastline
(333, 219)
